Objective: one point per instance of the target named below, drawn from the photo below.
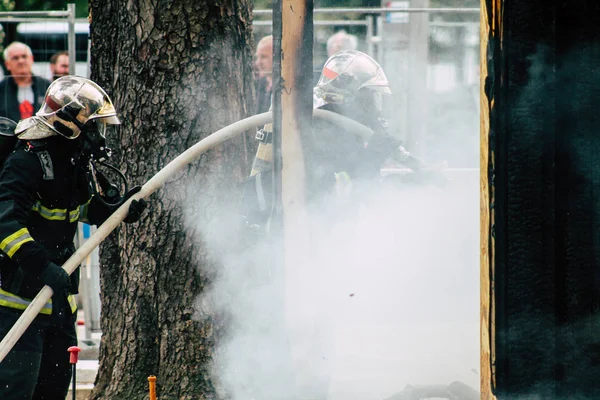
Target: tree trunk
(177, 71)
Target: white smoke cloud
(388, 296)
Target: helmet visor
(111, 120)
(100, 127)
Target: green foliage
(7, 5)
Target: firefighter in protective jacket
(48, 185)
(354, 85)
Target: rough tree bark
(177, 71)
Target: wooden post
(540, 199)
(296, 102)
(295, 90)
(486, 375)
(296, 105)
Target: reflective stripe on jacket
(14, 242)
(10, 300)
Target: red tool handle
(74, 350)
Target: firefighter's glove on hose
(136, 208)
(59, 281)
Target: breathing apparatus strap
(46, 163)
(264, 136)
(260, 193)
(40, 150)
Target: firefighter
(354, 85)
(47, 185)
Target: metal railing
(23, 16)
(71, 38)
(383, 10)
(368, 23)
(43, 16)
(374, 19)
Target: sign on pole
(397, 17)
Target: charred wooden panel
(542, 185)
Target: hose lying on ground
(158, 180)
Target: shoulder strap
(40, 149)
(46, 163)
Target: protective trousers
(38, 366)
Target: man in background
(341, 40)
(59, 64)
(263, 66)
(21, 92)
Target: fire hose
(157, 181)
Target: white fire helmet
(70, 102)
(346, 73)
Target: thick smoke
(388, 297)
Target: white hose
(185, 158)
(344, 122)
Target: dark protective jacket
(44, 192)
(329, 151)
(9, 104)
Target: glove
(59, 281)
(136, 208)
(55, 277)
